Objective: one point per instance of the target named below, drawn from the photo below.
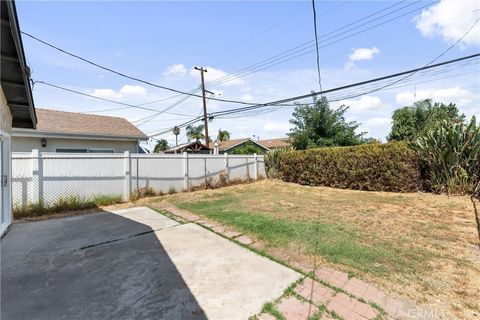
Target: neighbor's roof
(196, 144)
(62, 122)
(226, 145)
(275, 143)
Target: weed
(270, 309)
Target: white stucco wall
(5, 115)
(26, 144)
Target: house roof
(15, 74)
(275, 143)
(229, 144)
(74, 123)
(195, 145)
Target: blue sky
(162, 41)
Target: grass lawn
(419, 246)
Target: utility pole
(205, 119)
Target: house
(190, 147)
(241, 146)
(16, 102)
(276, 143)
(72, 132)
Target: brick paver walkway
(335, 295)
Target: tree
(247, 148)
(318, 125)
(223, 135)
(195, 132)
(413, 121)
(161, 145)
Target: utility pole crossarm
(205, 119)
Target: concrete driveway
(131, 264)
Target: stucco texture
(5, 115)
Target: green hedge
(374, 167)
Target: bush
(272, 161)
(374, 167)
(452, 152)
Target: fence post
(205, 171)
(36, 195)
(185, 172)
(255, 170)
(128, 176)
(227, 169)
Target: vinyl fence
(49, 177)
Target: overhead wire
(316, 44)
(313, 94)
(300, 50)
(94, 97)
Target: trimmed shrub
(374, 167)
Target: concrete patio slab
(147, 217)
(228, 281)
(131, 264)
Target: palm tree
(195, 132)
(223, 135)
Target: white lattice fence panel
(239, 168)
(21, 179)
(163, 174)
(53, 177)
(85, 177)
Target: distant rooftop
(275, 143)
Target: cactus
(453, 154)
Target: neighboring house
(16, 103)
(275, 143)
(60, 131)
(241, 146)
(190, 147)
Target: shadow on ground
(95, 266)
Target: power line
(94, 97)
(314, 94)
(428, 64)
(300, 49)
(316, 44)
(125, 75)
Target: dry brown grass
(441, 226)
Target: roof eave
(15, 32)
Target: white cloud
(365, 103)
(361, 54)
(277, 127)
(106, 94)
(454, 94)
(449, 20)
(213, 74)
(125, 92)
(175, 70)
(133, 90)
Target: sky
(162, 42)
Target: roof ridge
(83, 113)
